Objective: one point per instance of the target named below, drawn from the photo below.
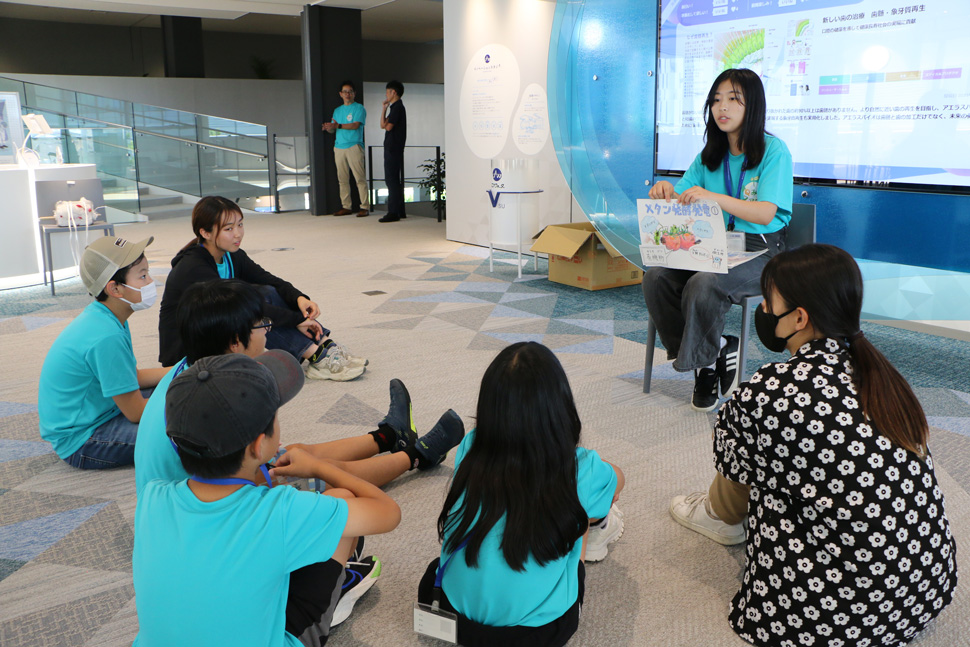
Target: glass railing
(292, 185)
(132, 143)
(415, 158)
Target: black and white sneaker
(728, 370)
(705, 390)
(359, 576)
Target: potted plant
(434, 182)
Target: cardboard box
(579, 256)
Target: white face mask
(148, 296)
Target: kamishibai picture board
(11, 128)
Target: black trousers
(393, 178)
(472, 634)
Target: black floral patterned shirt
(848, 543)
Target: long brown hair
(208, 213)
(827, 283)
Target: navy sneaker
(400, 417)
(434, 445)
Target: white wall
(276, 104)
(522, 26)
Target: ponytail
(887, 398)
(827, 283)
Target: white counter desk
(21, 262)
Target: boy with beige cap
(89, 397)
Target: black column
(332, 52)
(182, 46)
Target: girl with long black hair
(826, 457)
(748, 172)
(517, 519)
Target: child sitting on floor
(213, 554)
(521, 513)
(90, 397)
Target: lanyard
(181, 366)
(440, 575)
(728, 182)
(233, 480)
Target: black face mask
(765, 324)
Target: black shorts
(310, 603)
(472, 634)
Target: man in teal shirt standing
(348, 149)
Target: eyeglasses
(346, 92)
(265, 322)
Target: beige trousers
(729, 500)
(351, 160)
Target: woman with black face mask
(825, 456)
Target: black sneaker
(399, 416)
(434, 445)
(705, 390)
(359, 576)
(728, 372)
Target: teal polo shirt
(348, 115)
(769, 181)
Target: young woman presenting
(749, 174)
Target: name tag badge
(435, 623)
(735, 241)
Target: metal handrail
(199, 144)
(146, 132)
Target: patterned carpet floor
(428, 311)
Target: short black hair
(121, 276)
(214, 314)
(214, 468)
(350, 83)
(397, 86)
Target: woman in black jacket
(215, 253)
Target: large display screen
(870, 90)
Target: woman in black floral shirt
(847, 538)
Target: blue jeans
(688, 308)
(292, 340)
(111, 445)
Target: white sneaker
(603, 535)
(334, 366)
(352, 360)
(691, 512)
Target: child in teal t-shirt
(525, 503)
(89, 397)
(215, 558)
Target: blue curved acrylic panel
(602, 118)
(601, 82)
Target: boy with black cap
(89, 396)
(213, 554)
(226, 316)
